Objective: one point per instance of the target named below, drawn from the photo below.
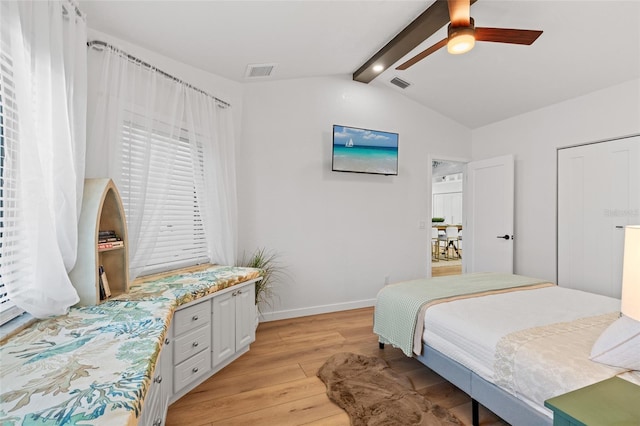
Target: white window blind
(13, 260)
(180, 240)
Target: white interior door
(598, 194)
(489, 204)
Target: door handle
(504, 237)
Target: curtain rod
(103, 44)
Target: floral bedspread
(93, 366)
(538, 363)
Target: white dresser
(202, 331)
(205, 336)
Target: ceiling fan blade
(507, 35)
(420, 56)
(459, 12)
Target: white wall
(534, 138)
(339, 234)
(222, 88)
(342, 234)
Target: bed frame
(500, 402)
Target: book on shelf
(105, 290)
(109, 245)
(108, 240)
(108, 236)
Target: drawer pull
(158, 379)
(195, 344)
(167, 341)
(157, 422)
(194, 369)
(194, 318)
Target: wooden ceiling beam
(424, 26)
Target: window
(179, 239)
(169, 149)
(42, 116)
(10, 255)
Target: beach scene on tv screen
(365, 151)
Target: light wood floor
(446, 267)
(275, 383)
(442, 268)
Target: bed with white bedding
(509, 349)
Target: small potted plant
(271, 271)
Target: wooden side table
(614, 401)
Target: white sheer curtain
(43, 176)
(218, 189)
(140, 112)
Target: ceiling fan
(462, 34)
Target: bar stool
(452, 241)
(435, 245)
(442, 245)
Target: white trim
(16, 325)
(315, 310)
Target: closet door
(598, 194)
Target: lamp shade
(631, 273)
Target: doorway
(447, 177)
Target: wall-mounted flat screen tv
(364, 151)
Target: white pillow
(619, 344)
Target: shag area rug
(375, 395)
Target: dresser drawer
(191, 343)
(191, 318)
(191, 369)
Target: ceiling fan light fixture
(461, 43)
(461, 39)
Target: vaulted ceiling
(585, 46)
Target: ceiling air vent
(400, 83)
(259, 70)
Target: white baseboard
(315, 310)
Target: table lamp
(631, 273)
